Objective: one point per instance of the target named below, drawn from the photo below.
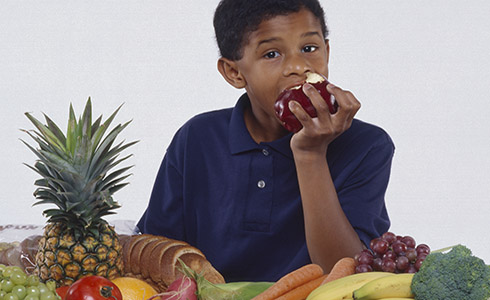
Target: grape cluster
(15, 284)
(392, 253)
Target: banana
(342, 288)
(397, 286)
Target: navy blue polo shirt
(239, 201)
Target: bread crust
(137, 251)
(158, 260)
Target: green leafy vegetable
(456, 275)
(225, 291)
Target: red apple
(287, 118)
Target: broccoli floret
(456, 275)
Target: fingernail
(292, 105)
(307, 86)
(330, 86)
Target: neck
(263, 129)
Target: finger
(299, 112)
(348, 104)
(321, 107)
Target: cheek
(323, 70)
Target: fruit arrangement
(80, 256)
(392, 253)
(456, 275)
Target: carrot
(343, 267)
(302, 291)
(291, 281)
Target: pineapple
(76, 177)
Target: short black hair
(234, 20)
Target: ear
(229, 71)
(327, 54)
(327, 49)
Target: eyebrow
(311, 33)
(273, 39)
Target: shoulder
(362, 139)
(363, 151)
(208, 129)
(206, 123)
(213, 118)
(366, 134)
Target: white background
(420, 69)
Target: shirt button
(265, 152)
(261, 184)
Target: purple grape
(365, 258)
(389, 255)
(422, 248)
(373, 241)
(390, 237)
(409, 241)
(402, 263)
(377, 262)
(380, 246)
(388, 265)
(411, 254)
(363, 268)
(368, 251)
(418, 263)
(356, 258)
(399, 247)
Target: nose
(296, 65)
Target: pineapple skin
(63, 259)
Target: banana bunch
(366, 286)
(393, 287)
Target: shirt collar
(283, 145)
(240, 139)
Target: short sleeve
(164, 214)
(362, 194)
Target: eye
(309, 48)
(271, 54)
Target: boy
(257, 200)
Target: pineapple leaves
(48, 136)
(95, 126)
(99, 133)
(104, 152)
(87, 121)
(71, 136)
(75, 168)
(56, 131)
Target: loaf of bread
(155, 259)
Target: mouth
(310, 77)
(294, 86)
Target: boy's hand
(317, 133)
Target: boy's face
(277, 56)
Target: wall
(420, 69)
